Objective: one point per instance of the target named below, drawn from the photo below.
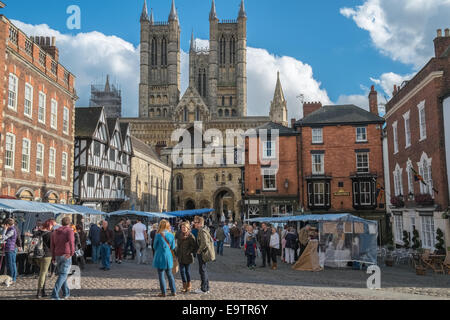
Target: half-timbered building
(102, 159)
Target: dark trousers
(203, 274)
(273, 254)
(118, 251)
(251, 260)
(131, 246)
(265, 251)
(237, 242)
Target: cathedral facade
(216, 96)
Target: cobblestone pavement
(230, 279)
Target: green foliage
(406, 235)
(417, 244)
(440, 244)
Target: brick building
(271, 190)
(417, 147)
(37, 109)
(341, 160)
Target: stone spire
(192, 41)
(242, 13)
(152, 19)
(107, 86)
(144, 14)
(213, 14)
(278, 107)
(173, 12)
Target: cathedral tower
(159, 88)
(227, 84)
(278, 107)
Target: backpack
(209, 254)
(36, 249)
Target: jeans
(129, 244)
(105, 253)
(251, 260)
(61, 283)
(184, 272)
(141, 248)
(265, 252)
(44, 264)
(95, 253)
(203, 274)
(11, 264)
(220, 247)
(162, 280)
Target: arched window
(165, 113)
(227, 113)
(231, 101)
(152, 113)
(154, 52)
(185, 114)
(217, 177)
(179, 183)
(223, 100)
(232, 50)
(233, 113)
(164, 52)
(202, 82)
(230, 177)
(222, 48)
(197, 114)
(220, 113)
(158, 112)
(199, 182)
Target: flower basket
(421, 271)
(424, 200)
(398, 202)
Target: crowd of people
(174, 247)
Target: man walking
(140, 238)
(129, 236)
(205, 253)
(220, 238)
(106, 241)
(263, 238)
(62, 246)
(94, 237)
(10, 237)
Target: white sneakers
(199, 291)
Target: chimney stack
(310, 107)
(441, 43)
(293, 123)
(48, 44)
(373, 101)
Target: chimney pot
(439, 33)
(447, 32)
(53, 41)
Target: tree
(406, 235)
(417, 244)
(440, 244)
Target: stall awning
(141, 214)
(189, 213)
(312, 217)
(82, 209)
(16, 206)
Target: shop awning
(189, 213)
(141, 214)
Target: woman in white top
(274, 247)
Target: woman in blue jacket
(163, 260)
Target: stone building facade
(149, 187)
(38, 109)
(416, 130)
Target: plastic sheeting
(141, 214)
(189, 213)
(343, 238)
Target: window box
(398, 201)
(424, 199)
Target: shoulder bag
(174, 257)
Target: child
(250, 252)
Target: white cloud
(403, 29)
(91, 55)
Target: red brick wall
(27, 70)
(339, 144)
(288, 159)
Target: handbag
(175, 260)
(79, 253)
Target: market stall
(343, 238)
(190, 213)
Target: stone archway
(189, 204)
(223, 198)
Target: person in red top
(62, 248)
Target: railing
(29, 47)
(228, 21)
(54, 67)
(42, 57)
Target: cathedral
(216, 96)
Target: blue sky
(345, 48)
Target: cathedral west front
(216, 96)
